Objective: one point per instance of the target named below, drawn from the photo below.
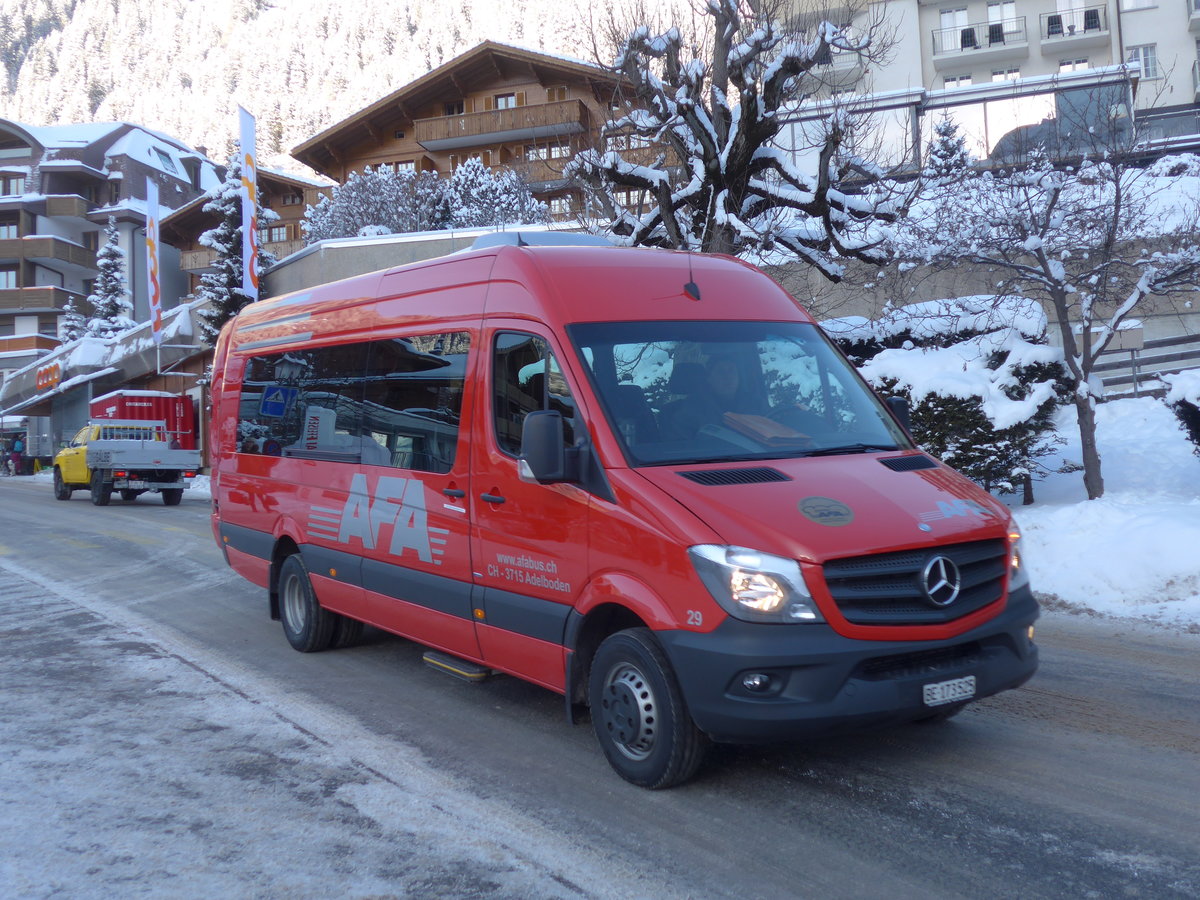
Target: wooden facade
(506, 106)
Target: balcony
(280, 249)
(981, 42)
(1193, 8)
(45, 299)
(34, 344)
(1071, 29)
(196, 260)
(540, 174)
(52, 252)
(69, 205)
(521, 123)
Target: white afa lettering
(398, 503)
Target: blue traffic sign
(276, 401)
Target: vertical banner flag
(153, 288)
(249, 206)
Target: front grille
(713, 477)
(886, 588)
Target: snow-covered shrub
(979, 377)
(1183, 397)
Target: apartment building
(1018, 71)
(285, 194)
(59, 186)
(504, 105)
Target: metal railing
(979, 36)
(1073, 22)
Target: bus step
(452, 665)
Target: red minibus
(643, 479)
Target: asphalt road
(1084, 783)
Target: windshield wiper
(850, 448)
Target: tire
(638, 712)
(346, 632)
(307, 626)
(128, 495)
(62, 491)
(101, 490)
(172, 496)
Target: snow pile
(1132, 553)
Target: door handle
(491, 498)
(455, 493)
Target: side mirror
(543, 456)
(899, 408)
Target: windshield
(690, 392)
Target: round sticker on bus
(826, 511)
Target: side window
(413, 400)
(304, 403)
(381, 403)
(526, 377)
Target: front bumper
(823, 683)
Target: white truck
(127, 455)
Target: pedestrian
(18, 449)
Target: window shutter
(520, 98)
(488, 104)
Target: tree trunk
(1093, 482)
(1026, 489)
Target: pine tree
(949, 159)
(74, 323)
(110, 302)
(222, 287)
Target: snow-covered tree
(700, 141)
(981, 381)
(72, 325)
(383, 201)
(478, 198)
(112, 308)
(379, 201)
(222, 286)
(1093, 242)
(948, 160)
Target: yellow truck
(130, 456)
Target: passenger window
(380, 403)
(527, 377)
(413, 400)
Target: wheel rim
(294, 603)
(629, 711)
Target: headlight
(1018, 569)
(753, 586)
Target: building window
(957, 81)
(556, 93)
(1147, 56)
(8, 277)
(11, 185)
(398, 135)
(167, 162)
(453, 109)
(275, 234)
(91, 240)
(291, 199)
(1000, 10)
(406, 165)
(560, 206)
(9, 230)
(505, 101)
(1072, 65)
(1006, 74)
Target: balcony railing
(518, 123)
(70, 205)
(980, 36)
(35, 299)
(47, 249)
(1068, 23)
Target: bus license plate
(950, 691)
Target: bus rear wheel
(307, 625)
